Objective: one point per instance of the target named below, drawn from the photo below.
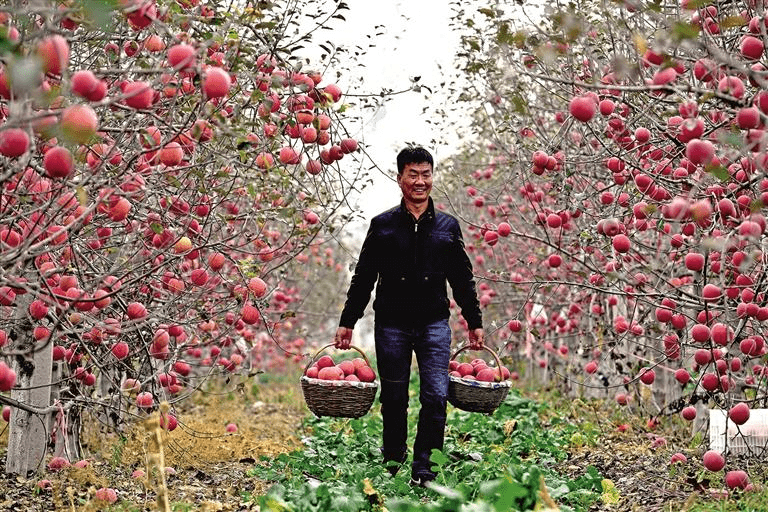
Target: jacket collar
(429, 213)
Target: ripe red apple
(682, 376)
(688, 413)
(347, 366)
(7, 413)
(700, 333)
(710, 381)
(38, 309)
(699, 152)
(711, 292)
(199, 276)
(136, 310)
(678, 458)
(751, 47)
(325, 362)
(713, 460)
(621, 243)
(348, 145)
(739, 413)
(647, 376)
(168, 421)
(7, 377)
(582, 108)
(737, 479)
(216, 82)
(181, 57)
(120, 350)
(312, 372)
(465, 369)
(14, 142)
(78, 123)
(171, 154)
(84, 83)
(138, 95)
(590, 367)
(54, 54)
(119, 209)
(145, 400)
(330, 373)
(365, 374)
(231, 427)
(314, 167)
(694, 261)
(250, 314)
(289, 156)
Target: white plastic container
(751, 438)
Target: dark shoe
(421, 481)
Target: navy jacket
(410, 263)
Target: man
(410, 252)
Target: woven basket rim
(481, 384)
(339, 383)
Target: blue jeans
(394, 349)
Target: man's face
(416, 182)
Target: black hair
(413, 155)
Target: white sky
(417, 41)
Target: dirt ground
(205, 465)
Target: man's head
(413, 155)
(414, 174)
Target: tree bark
(28, 436)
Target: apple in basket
(478, 369)
(354, 370)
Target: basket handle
(484, 347)
(314, 357)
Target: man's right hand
(343, 338)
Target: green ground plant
(495, 462)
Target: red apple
(582, 108)
(78, 123)
(181, 57)
(688, 413)
(713, 460)
(365, 374)
(145, 400)
(737, 479)
(216, 82)
(54, 54)
(739, 413)
(138, 95)
(14, 142)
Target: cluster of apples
(355, 370)
(479, 370)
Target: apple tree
(168, 169)
(615, 188)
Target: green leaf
(99, 12)
(682, 31)
(719, 172)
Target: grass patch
(496, 462)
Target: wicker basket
(476, 396)
(337, 398)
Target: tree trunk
(28, 436)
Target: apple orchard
(616, 200)
(164, 168)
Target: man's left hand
(476, 339)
